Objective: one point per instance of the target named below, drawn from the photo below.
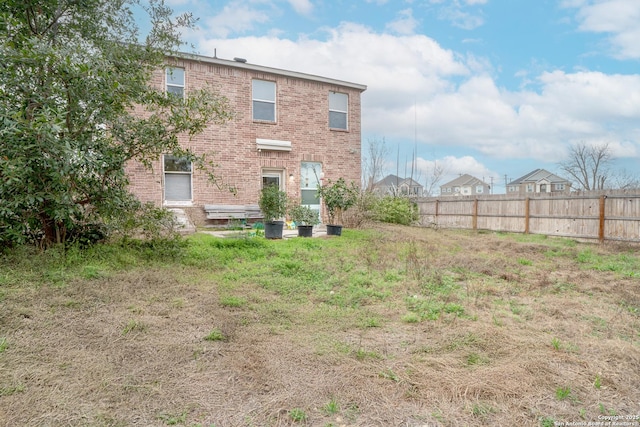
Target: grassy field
(388, 326)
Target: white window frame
(273, 173)
(335, 99)
(169, 83)
(479, 189)
(170, 202)
(530, 188)
(559, 186)
(310, 176)
(256, 98)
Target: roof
(538, 175)
(464, 180)
(263, 69)
(394, 180)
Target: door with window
(309, 182)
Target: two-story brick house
(465, 185)
(288, 128)
(539, 181)
(394, 185)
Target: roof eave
(263, 69)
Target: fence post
(527, 202)
(474, 221)
(601, 227)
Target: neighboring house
(288, 128)
(395, 186)
(539, 181)
(465, 185)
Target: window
(529, 188)
(338, 103)
(456, 189)
(513, 188)
(559, 186)
(448, 189)
(479, 189)
(543, 188)
(175, 81)
(272, 177)
(177, 179)
(264, 100)
(310, 173)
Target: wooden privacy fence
(601, 216)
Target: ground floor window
(272, 177)
(177, 179)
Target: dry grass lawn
(389, 326)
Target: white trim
(177, 203)
(273, 145)
(184, 203)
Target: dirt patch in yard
(400, 327)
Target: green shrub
(396, 210)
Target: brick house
(465, 185)
(539, 181)
(394, 185)
(289, 128)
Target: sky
(491, 88)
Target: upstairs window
(479, 189)
(177, 179)
(264, 100)
(338, 106)
(559, 186)
(529, 188)
(175, 81)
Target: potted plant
(273, 204)
(305, 218)
(337, 197)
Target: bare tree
(434, 176)
(588, 165)
(373, 163)
(624, 180)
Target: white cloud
(303, 7)
(235, 17)
(619, 18)
(461, 13)
(451, 101)
(405, 23)
(461, 19)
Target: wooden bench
(233, 212)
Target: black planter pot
(305, 231)
(273, 229)
(334, 230)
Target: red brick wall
(302, 110)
